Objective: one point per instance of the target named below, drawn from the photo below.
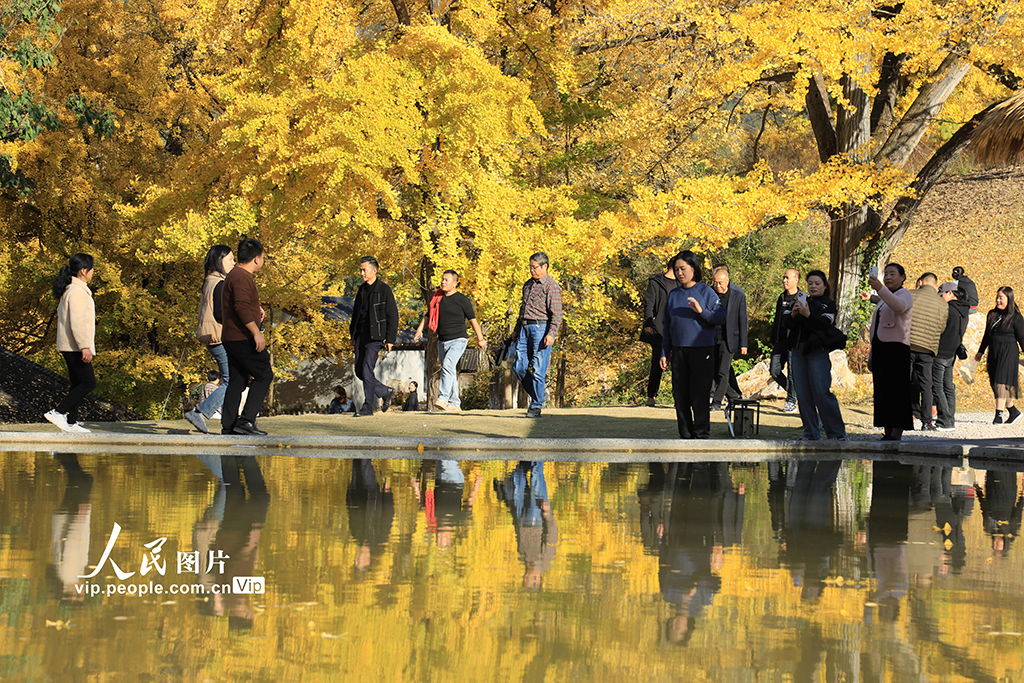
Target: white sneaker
(440, 403)
(215, 416)
(452, 408)
(59, 419)
(78, 429)
(198, 420)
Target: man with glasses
(540, 316)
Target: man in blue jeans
(540, 316)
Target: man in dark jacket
(730, 337)
(926, 326)
(780, 352)
(658, 287)
(967, 285)
(942, 367)
(374, 324)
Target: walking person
(448, 311)
(811, 324)
(76, 338)
(540, 317)
(926, 327)
(242, 337)
(219, 262)
(659, 286)
(1004, 335)
(729, 337)
(374, 325)
(777, 339)
(950, 344)
(692, 311)
(889, 356)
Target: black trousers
(654, 379)
(248, 367)
(366, 361)
(83, 380)
(725, 379)
(921, 382)
(943, 391)
(693, 369)
(780, 357)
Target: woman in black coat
(1004, 334)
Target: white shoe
(59, 419)
(198, 420)
(78, 429)
(215, 416)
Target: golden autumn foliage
(459, 135)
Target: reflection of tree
(232, 525)
(704, 517)
(525, 492)
(371, 509)
(1001, 508)
(70, 530)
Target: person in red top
(248, 359)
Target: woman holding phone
(889, 356)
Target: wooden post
(560, 383)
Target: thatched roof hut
(999, 138)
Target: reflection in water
(441, 496)
(231, 526)
(809, 535)
(371, 509)
(525, 493)
(1001, 509)
(70, 530)
(793, 571)
(705, 516)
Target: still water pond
(433, 570)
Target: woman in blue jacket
(691, 314)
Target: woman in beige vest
(76, 338)
(219, 262)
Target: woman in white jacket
(76, 338)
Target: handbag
(831, 339)
(649, 337)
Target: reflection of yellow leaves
(59, 625)
(948, 544)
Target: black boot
(999, 418)
(1013, 414)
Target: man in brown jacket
(243, 340)
(926, 326)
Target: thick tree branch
(668, 33)
(820, 113)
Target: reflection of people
(371, 509)
(1001, 508)
(441, 496)
(70, 530)
(232, 527)
(705, 517)
(525, 492)
(887, 531)
(810, 536)
(652, 508)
